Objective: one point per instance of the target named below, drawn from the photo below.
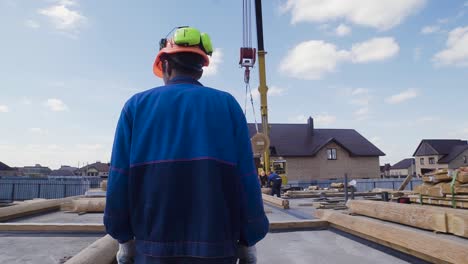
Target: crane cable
(247, 42)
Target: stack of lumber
(330, 204)
(275, 201)
(445, 220)
(426, 245)
(437, 189)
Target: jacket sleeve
(254, 223)
(116, 214)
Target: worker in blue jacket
(183, 186)
(275, 181)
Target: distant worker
(263, 179)
(275, 181)
(183, 187)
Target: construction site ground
(298, 246)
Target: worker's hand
(126, 253)
(247, 255)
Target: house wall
(459, 161)
(403, 172)
(426, 165)
(319, 167)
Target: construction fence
(52, 187)
(362, 185)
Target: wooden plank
(30, 208)
(80, 228)
(85, 205)
(437, 201)
(462, 177)
(102, 251)
(306, 224)
(422, 244)
(315, 194)
(413, 215)
(437, 178)
(405, 182)
(276, 201)
(52, 227)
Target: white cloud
(456, 52)
(38, 130)
(466, 4)
(298, 119)
(89, 147)
(313, 59)
(382, 14)
(417, 54)
(32, 24)
(324, 119)
(430, 29)
(4, 109)
(376, 49)
(362, 113)
(428, 119)
(56, 105)
(215, 60)
(402, 97)
(26, 101)
(359, 91)
(62, 16)
(342, 30)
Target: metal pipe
(346, 187)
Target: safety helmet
(185, 39)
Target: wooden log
(102, 251)
(413, 215)
(52, 227)
(337, 185)
(276, 201)
(306, 224)
(461, 189)
(419, 243)
(423, 188)
(405, 182)
(437, 178)
(462, 177)
(30, 208)
(86, 205)
(266, 190)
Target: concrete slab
(278, 215)
(62, 217)
(325, 247)
(41, 249)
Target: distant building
(385, 170)
(6, 170)
(433, 154)
(35, 171)
(313, 154)
(65, 171)
(96, 169)
(403, 168)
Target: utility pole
(263, 88)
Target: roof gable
(437, 146)
(4, 167)
(403, 164)
(456, 151)
(301, 140)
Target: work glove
(247, 255)
(126, 253)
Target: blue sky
(393, 70)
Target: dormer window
(331, 154)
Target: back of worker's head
(182, 64)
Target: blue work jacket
(182, 181)
(275, 178)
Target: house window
(431, 160)
(331, 154)
(421, 160)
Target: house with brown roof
(434, 154)
(319, 154)
(96, 169)
(6, 170)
